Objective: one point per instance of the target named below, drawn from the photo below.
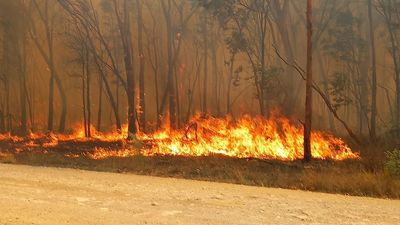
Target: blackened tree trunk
(309, 86)
(126, 37)
(23, 97)
(100, 105)
(170, 74)
(88, 101)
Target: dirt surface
(36, 195)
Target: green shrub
(392, 164)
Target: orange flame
(247, 137)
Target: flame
(246, 137)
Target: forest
(107, 62)
(264, 79)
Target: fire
(246, 137)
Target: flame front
(247, 137)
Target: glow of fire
(247, 137)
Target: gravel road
(37, 195)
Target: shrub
(392, 164)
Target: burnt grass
(364, 177)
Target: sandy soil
(34, 195)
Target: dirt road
(34, 195)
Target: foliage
(392, 164)
(338, 86)
(347, 47)
(343, 41)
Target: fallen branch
(328, 103)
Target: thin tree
(142, 102)
(309, 87)
(47, 53)
(374, 78)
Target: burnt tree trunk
(126, 37)
(88, 101)
(100, 105)
(170, 74)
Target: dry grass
(347, 177)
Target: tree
(389, 9)
(78, 45)
(309, 84)
(124, 25)
(14, 61)
(348, 83)
(374, 73)
(142, 100)
(47, 52)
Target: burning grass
(247, 137)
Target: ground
(39, 195)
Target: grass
(346, 177)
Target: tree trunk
(216, 82)
(100, 105)
(374, 78)
(84, 96)
(88, 101)
(50, 114)
(63, 98)
(230, 78)
(263, 98)
(309, 84)
(205, 58)
(107, 88)
(132, 129)
(170, 75)
(23, 94)
(388, 19)
(2, 122)
(126, 37)
(142, 102)
(364, 100)
(49, 58)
